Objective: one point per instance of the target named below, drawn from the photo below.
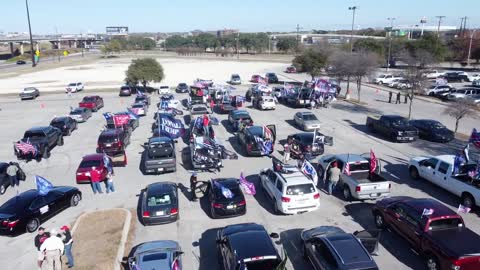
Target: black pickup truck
(394, 127)
(159, 155)
(44, 139)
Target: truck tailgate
(159, 163)
(374, 190)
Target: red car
(291, 69)
(433, 230)
(93, 103)
(86, 166)
(256, 78)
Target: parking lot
(196, 231)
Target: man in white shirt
(53, 249)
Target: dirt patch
(97, 238)
(40, 82)
(80, 68)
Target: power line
(439, 23)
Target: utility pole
(390, 42)
(238, 45)
(81, 41)
(353, 9)
(472, 33)
(423, 21)
(298, 35)
(440, 18)
(31, 38)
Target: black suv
(455, 77)
(43, 138)
(4, 178)
(247, 246)
(113, 141)
(66, 124)
(221, 206)
(271, 77)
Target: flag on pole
(308, 169)
(227, 193)
(43, 185)
(346, 170)
(463, 209)
(427, 212)
(373, 162)
(475, 138)
(249, 187)
(140, 94)
(26, 148)
(457, 162)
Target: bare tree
(461, 109)
(361, 64)
(338, 65)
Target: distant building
(117, 30)
(227, 32)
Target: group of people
(96, 178)
(51, 246)
(319, 100)
(399, 96)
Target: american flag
(140, 94)
(261, 80)
(26, 147)
(347, 169)
(373, 161)
(475, 138)
(463, 209)
(427, 212)
(267, 132)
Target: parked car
(462, 94)
(359, 184)
(394, 127)
(474, 99)
(432, 230)
(455, 77)
(163, 90)
(309, 143)
(256, 78)
(132, 124)
(161, 255)
(221, 206)
(433, 130)
(290, 191)
(139, 109)
(247, 246)
(291, 69)
(306, 121)
(476, 83)
(74, 87)
(433, 74)
(248, 137)
(29, 93)
(143, 99)
(125, 91)
(237, 116)
(90, 163)
(235, 79)
(160, 203)
(437, 90)
(93, 103)
(66, 124)
(393, 83)
(384, 78)
(403, 84)
(271, 77)
(182, 88)
(473, 77)
(439, 171)
(44, 139)
(199, 109)
(21, 62)
(113, 141)
(159, 155)
(226, 105)
(29, 209)
(328, 247)
(80, 115)
(5, 179)
(266, 103)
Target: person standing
(406, 97)
(12, 171)
(53, 248)
(212, 105)
(95, 177)
(109, 183)
(193, 185)
(333, 177)
(286, 150)
(398, 98)
(390, 94)
(68, 242)
(39, 239)
(312, 103)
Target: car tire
(32, 225)
(275, 208)
(60, 141)
(432, 262)
(468, 200)
(379, 220)
(75, 199)
(3, 189)
(46, 153)
(212, 213)
(413, 171)
(347, 195)
(69, 132)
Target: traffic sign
(65, 53)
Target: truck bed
(366, 177)
(458, 242)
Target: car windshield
(137, 106)
(182, 85)
(308, 117)
(235, 190)
(242, 115)
(58, 121)
(125, 88)
(77, 111)
(300, 189)
(446, 223)
(359, 166)
(154, 257)
(29, 89)
(90, 163)
(399, 122)
(235, 77)
(262, 265)
(88, 99)
(159, 199)
(34, 134)
(72, 84)
(108, 139)
(437, 125)
(199, 109)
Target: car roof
(113, 131)
(159, 187)
(348, 248)
(393, 116)
(351, 158)
(159, 139)
(227, 182)
(294, 177)
(418, 205)
(240, 112)
(306, 113)
(249, 240)
(93, 157)
(33, 129)
(61, 118)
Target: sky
(83, 16)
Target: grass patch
(97, 238)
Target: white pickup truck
(386, 78)
(360, 184)
(439, 171)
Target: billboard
(117, 30)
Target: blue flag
(108, 115)
(457, 162)
(132, 115)
(164, 104)
(227, 193)
(170, 127)
(309, 170)
(43, 185)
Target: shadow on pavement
(261, 196)
(208, 250)
(228, 127)
(186, 160)
(354, 108)
(293, 246)
(236, 146)
(394, 244)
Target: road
(195, 231)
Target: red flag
(373, 161)
(121, 119)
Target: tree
(178, 41)
(286, 44)
(114, 46)
(205, 41)
(476, 54)
(311, 61)
(143, 71)
(370, 45)
(339, 67)
(428, 43)
(361, 65)
(461, 109)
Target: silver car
(80, 114)
(306, 121)
(235, 79)
(160, 255)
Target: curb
(123, 239)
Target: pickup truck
(205, 153)
(433, 230)
(360, 184)
(439, 171)
(300, 99)
(159, 155)
(395, 127)
(43, 138)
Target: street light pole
(470, 46)
(439, 23)
(390, 42)
(353, 9)
(238, 43)
(31, 38)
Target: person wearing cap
(193, 184)
(67, 241)
(53, 248)
(333, 177)
(39, 239)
